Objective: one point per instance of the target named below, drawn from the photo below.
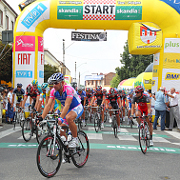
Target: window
(92, 82)
(12, 25)
(7, 23)
(88, 82)
(1, 17)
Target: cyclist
(114, 99)
(82, 95)
(19, 92)
(70, 100)
(88, 95)
(144, 106)
(100, 102)
(42, 98)
(32, 92)
(123, 101)
(129, 105)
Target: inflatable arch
(153, 26)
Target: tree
(49, 70)
(133, 65)
(6, 63)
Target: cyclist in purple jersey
(72, 105)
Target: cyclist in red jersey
(144, 106)
(100, 102)
(114, 99)
(123, 101)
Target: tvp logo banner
(33, 15)
(144, 38)
(40, 60)
(24, 59)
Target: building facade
(101, 79)
(7, 17)
(51, 60)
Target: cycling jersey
(88, 98)
(123, 98)
(142, 103)
(99, 97)
(19, 94)
(48, 92)
(33, 94)
(129, 99)
(68, 92)
(82, 95)
(43, 99)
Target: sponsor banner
(155, 70)
(144, 38)
(37, 12)
(172, 45)
(154, 84)
(25, 43)
(171, 60)
(156, 59)
(99, 10)
(40, 60)
(85, 36)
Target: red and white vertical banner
(40, 60)
(24, 59)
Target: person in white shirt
(10, 113)
(174, 109)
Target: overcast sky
(90, 57)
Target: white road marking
(126, 137)
(175, 134)
(95, 136)
(160, 139)
(9, 131)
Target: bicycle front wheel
(41, 131)
(49, 160)
(80, 158)
(27, 129)
(115, 127)
(142, 139)
(96, 122)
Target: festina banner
(85, 36)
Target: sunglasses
(56, 83)
(18, 86)
(137, 92)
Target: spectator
(5, 100)
(10, 112)
(160, 107)
(174, 109)
(1, 102)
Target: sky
(90, 57)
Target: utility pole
(64, 68)
(75, 71)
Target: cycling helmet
(98, 88)
(131, 91)
(44, 86)
(29, 88)
(19, 85)
(104, 90)
(56, 77)
(139, 89)
(34, 82)
(112, 91)
(79, 89)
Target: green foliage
(48, 71)
(132, 66)
(6, 63)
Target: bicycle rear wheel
(115, 126)
(81, 155)
(47, 163)
(142, 139)
(96, 122)
(27, 129)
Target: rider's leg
(138, 113)
(70, 117)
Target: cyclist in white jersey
(70, 100)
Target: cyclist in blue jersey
(19, 92)
(129, 105)
(82, 94)
(72, 105)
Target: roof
(9, 7)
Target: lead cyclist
(70, 100)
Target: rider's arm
(106, 104)
(84, 101)
(37, 101)
(127, 102)
(149, 108)
(13, 98)
(92, 100)
(24, 101)
(47, 108)
(66, 107)
(103, 101)
(132, 109)
(119, 102)
(47, 99)
(39, 105)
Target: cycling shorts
(143, 110)
(115, 106)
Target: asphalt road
(110, 158)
